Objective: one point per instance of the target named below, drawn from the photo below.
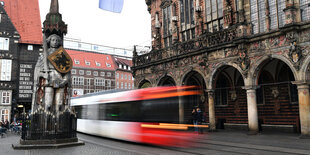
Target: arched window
(214, 15)
(305, 10)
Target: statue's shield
(61, 60)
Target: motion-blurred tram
(149, 115)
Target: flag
(111, 5)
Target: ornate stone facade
(246, 71)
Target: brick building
(91, 72)
(250, 58)
(20, 41)
(123, 73)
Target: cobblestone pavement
(220, 142)
(87, 149)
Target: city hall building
(250, 58)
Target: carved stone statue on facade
(295, 52)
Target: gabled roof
(123, 61)
(25, 15)
(92, 58)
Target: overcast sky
(92, 25)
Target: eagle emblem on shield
(61, 60)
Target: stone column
(252, 111)
(304, 109)
(212, 126)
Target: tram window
(126, 111)
(160, 110)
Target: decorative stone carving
(228, 13)
(295, 52)
(275, 92)
(244, 60)
(233, 95)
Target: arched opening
(195, 79)
(229, 98)
(166, 81)
(145, 84)
(277, 97)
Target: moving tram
(149, 115)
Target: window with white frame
(129, 77)
(187, 19)
(109, 83)
(258, 16)
(109, 74)
(30, 47)
(305, 10)
(78, 81)
(81, 81)
(125, 67)
(122, 85)
(88, 85)
(214, 15)
(129, 86)
(108, 65)
(120, 66)
(6, 69)
(73, 71)
(125, 76)
(87, 63)
(128, 68)
(125, 85)
(4, 114)
(117, 85)
(102, 73)
(98, 63)
(4, 43)
(88, 72)
(117, 75)
(95, 73)
(99, 82)
(133, 87)
(81, 72)
(6, 95)
(122, 76)
(167, 26)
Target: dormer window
(87, 63)
(76, 61)
(125, 67)
(128, 68)
(120, 66)
(107, 58)
(108, 65)
(98, 64)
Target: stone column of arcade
(252, 110)
(304, 109)
(53, 122)
(212, 126)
